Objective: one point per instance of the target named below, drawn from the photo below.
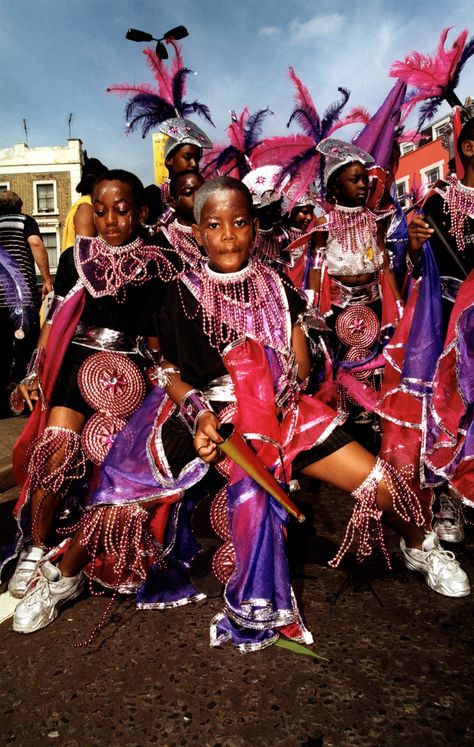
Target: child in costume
(274, 235)
(179, 234)
(353, 283)
(183, 152)
(234, 350)
(430, 355)
(86, 376)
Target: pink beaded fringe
(72, 464)
(366, 516)
(120, 533)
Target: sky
(59, 57)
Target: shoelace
(40, 588)
(443, 555)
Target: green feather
(298, 648)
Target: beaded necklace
(354, 228)
(182, 240)
(459, 204)
(269, 243)
(251, 302)
(105, 270)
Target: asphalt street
(396, 668)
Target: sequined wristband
(193, 405)
(55, 303)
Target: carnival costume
(181, 239)
(93, 363)
(428, 367)
(362, 317)
(230, 337)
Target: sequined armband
(193, 405)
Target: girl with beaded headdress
(353, 283)
(164, 106)
(234, 347)
(86, 376)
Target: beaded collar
(183, 242)
(269, 243)
(459, 204)
(251, 302)
(106, 270)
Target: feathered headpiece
(244, 135)
(15, 294)
(148, 107)
(434, 78)
(297, 154)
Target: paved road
(397, 669)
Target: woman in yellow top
(80, 218)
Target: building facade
(46, 179)
(423, 164)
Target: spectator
(80, 218)
(21, 238)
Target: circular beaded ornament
(218, 515)
(356, 354)
(223, 562)
(99, 434)
(357, 326)
(112, 383)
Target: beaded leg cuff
(65, 444)
(366, 517)
(120, 533)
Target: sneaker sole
(19, 628)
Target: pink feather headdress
(149, 105)
(244, 135)
(297, 154)
(434, 78)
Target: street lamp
(178, 32)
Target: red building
(423, 164)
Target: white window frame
(437, 126)
(4, 186)
(423, 172)
(406, 148)
(45, 232)
(42, 182)
(405, 182)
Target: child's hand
(207, 437)
(418, 232)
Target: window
(4, 186)
(45, 197)
(50, 241)
(406, 148)
(402, 193)
(430, 174)
(440, 128)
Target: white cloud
(269, 31)
(306, 31)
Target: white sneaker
(449, 520)
(29, 560)
(46, 593)
(439, 567)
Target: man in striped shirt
(21, 238)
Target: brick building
(45, 178)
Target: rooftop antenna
(26, 130)
(69, 120)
